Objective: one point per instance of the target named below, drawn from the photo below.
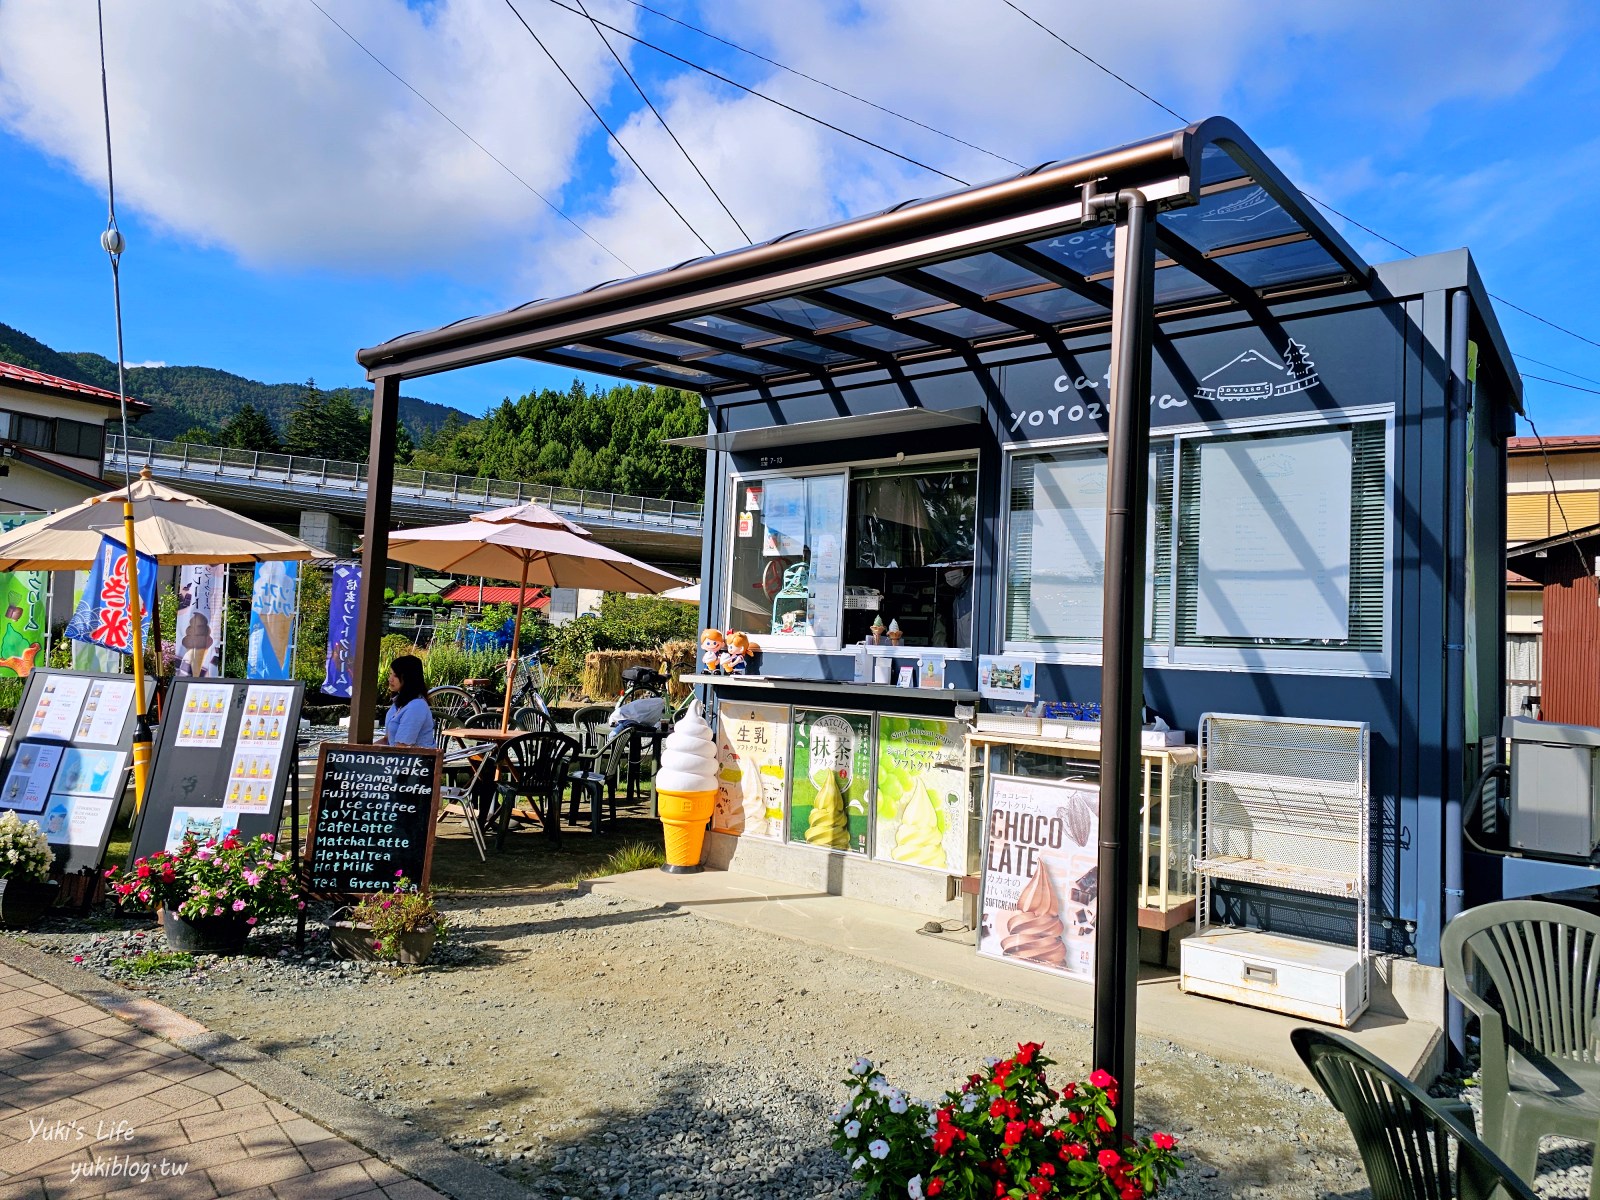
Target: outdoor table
(496, 737)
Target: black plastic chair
(1405, 1137)
(536, 767)
(590, 724)
(533, 720)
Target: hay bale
(602, 671)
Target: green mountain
(185, 398)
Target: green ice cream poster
(22, 611)
(831, 779)
(921, 793)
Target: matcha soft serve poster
(832, 772)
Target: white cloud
(255, 125)
(152, 363)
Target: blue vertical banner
(102, 615)
(342, 608)
(272, 621)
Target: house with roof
(52, 438)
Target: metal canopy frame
(1015, 261)
(1065, 247)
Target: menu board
(921, 790)
(1040, 874)
(373, 810)
(831, 783)
(67, 762)
(223, 761)
(752, 769)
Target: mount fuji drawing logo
(1254, 375)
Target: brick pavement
(92, 1105)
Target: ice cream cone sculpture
(918, 840)
(830, 823)
(1034, 931)
(686, 789)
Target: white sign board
(1069, 548)
(1275, 538)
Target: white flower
(878, 1148)
(858, 1164)
(861, 1066)
(897, 1101)
(914, 1187)
(839, 1113)
(852, 1129)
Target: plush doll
(741, 654)
(713, 650)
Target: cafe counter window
(1266, 548)
(817, 558)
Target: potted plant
(1003, 1133)
(26, 889)
(211, 894)
(399, 925)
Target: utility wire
(610, 132)
(550, 204)
(1322, 204)
(1555, 367)
(1566, 525)
(734, 83)
(113, 242)
(665, 16)
(1559, 383)
(689, 157)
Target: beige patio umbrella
(529, 543)
(170, 526)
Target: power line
(1555, 492)
(687, 156)
(498, 161)
(609, 131)
(734, 83)
(1559, 383)
(824, 83)
(1554, 367)
(1166, 108)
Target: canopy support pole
(1116, 937)
(516, 635)
(374, 557)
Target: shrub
(404, 908)
(213, 878)
(24, 849)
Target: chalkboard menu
(372, 815)
(224, 758)
(67, 761)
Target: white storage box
(1283, 974)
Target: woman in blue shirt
(409, 721)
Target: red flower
(1132, 1192)
(1000, 1188)
(1103, 1124)
(1102, 1079)
(1075, 1150)
(1163, 1141)
(943, 1138)
(935, 1186)
(1108, 1159)
(1014, 1132)
(997, 1107)
(1026, 1052)
(142, 870)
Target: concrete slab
(891, 936)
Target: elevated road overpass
(322, 500)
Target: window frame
(804, 642)
(1167, 653)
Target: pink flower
(268, 837)
(238, 906)
(301, 904)
(217, 911)
(1101, 1079)
(252, 921)
(377, 945)
(77, 958)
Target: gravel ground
(595, 1048)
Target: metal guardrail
(290, 471)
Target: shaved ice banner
(922, 793)
(102, 615)
(23, 604)
(1041, 893)
(272, 621)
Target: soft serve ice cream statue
(686, 789)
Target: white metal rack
(1283, 802)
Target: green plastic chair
(1405, 1137)
(1540, 1025)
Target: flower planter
(24, 901)
(356, 942)
(205, 935)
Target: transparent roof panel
(1230, 217)
(1289, 263)
(723, 327)
(599, 357)
(810, 351)
(984, 274)
(799, 312)
(1218, 166)
(1058, 306)
(880, 338)
(738, 362)
(1175, 284)
(965, 323)
(1088, 251)
(649, 340)
(677, 374)
(888, 296)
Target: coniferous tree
(249, 429)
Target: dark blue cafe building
(913, 422)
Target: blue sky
(286, 201)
